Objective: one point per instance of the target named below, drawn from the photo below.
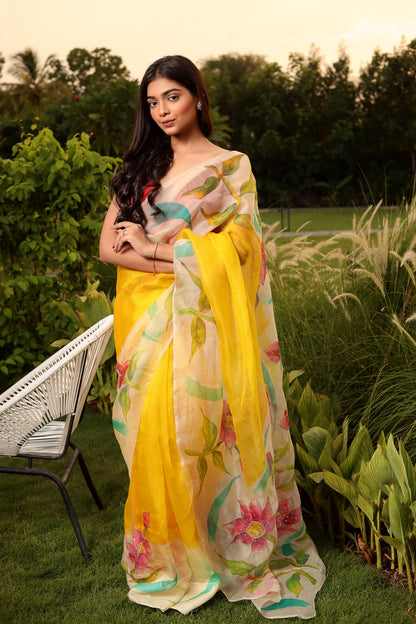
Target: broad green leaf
(396, 543)
(351, 516)
(338, 447)
(308, 407)
(326, 462)
(376, 475)
(410, 471)
(309, 464)
(399, 470)
(357, 452)
(315, 440)
(397, 515)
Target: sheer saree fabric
(200, 413)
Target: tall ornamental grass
(346, 314)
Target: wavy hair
(150, 154)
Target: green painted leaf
(209, 185)
(196, 280)
(218, 461)
(203, 303)
(218, 218)
(214, 512)
(243, 220)
(124, 400)
(301, 557)
(209, 431)
(294, 585)
(198, 333)
(240, 568)
(281, 452)
(168, 303)
(249, 186)
(231, 165)
(202, 470)
(254, 585)
(194, 388)
(278, 564)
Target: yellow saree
(200, 413)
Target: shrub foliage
(52, 203)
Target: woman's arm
(127, 245)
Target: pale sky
(140, 32)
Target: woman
(200, 412)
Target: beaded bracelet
(154, 258)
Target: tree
(2, 61)
(387, 103)
(32, 76)
(89, 71)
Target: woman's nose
(163, 109)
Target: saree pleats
(200, 413)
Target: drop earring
(199, 106)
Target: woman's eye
(152, 104)
(173, 98)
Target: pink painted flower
(284, 423)
(254, 525)
(262, 275)
(139, 551)
(121, 371)
(273, 352)
(227, 433)
(286, 517)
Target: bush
(52, 204)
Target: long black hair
(150, 153)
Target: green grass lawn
(313, 219)
(45, 579)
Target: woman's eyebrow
(152, 97)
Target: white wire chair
(56, 389)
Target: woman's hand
(132, 235)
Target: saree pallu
(200, 413)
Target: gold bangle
(154, 258)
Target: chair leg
(71, 513)
(65, 496)
(87, 475)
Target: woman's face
(172, 106)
